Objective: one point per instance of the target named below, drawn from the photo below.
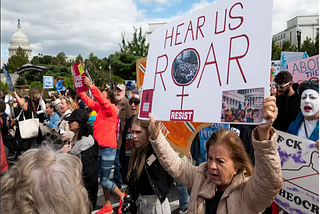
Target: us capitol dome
(20, 39)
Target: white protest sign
(193, 60)
(48, 82)
(300, 173)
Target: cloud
(74, 27)
(285, 10)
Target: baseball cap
(78, 115)
(121, 87)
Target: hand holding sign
(88, 83)
(269, 113)
(153, 127)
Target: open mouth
(307, 108)
(214, 176)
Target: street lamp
(110, 72)
(298, 37)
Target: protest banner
(78, 74)
(300, 173)
(194, 59)
(48, 82)
(59, 85)
(205, 135)
(275, 69)
(8, 79)
(304, 69)
(179, 134)
(287, 57)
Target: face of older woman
(64, 106)
(220, 166)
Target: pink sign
(146, 103)
(77, 75)
(304, 69)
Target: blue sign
(8, 79)
(48, 82)
(59, 86)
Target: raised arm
(179, 169)
(266, 181)
(21, 102)
(90, 103)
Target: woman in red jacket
(104, 130)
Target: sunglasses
(136, 102)
(282, 86)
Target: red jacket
(4, 163)
(105, 125)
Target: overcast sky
(83, 26)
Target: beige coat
(64, 126)
(245, 195)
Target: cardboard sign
(179, 134)
(287, 57)
(48, 82)
(78, 74)
(8, 79)
(60, 85)
(300, 173)
(194, 59)
(304, 69)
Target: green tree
(316, 45)
(35, 61)
(276, 51)
(61, 58)
(46, 60)
(308, 46)
(79, 58)
(124, 65)
(286, 46)
(137, 46)
(17, 60)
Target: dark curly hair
(283, 77)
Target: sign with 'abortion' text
(193, 59)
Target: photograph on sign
(300, 174)
(195, 58)
(48, 82)
(243, 106)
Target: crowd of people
(80, 138)
(184, 72)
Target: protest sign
(300, 173)
(287, 57)
(205, 135)
(8, 79)
(60, 85)
(179, 134)
(130, 84)
(78, 74)
(194, 59)
(304, 69)
(275, 69)
(48, 82)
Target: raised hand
(87, 81)
(153, 127)
(269, 113)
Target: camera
(129, 205)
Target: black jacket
(158, 179)
(288, 109)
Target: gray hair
(44, 181)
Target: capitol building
(20, 39)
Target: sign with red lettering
(304, 69)
(146, 103)
(77, 75)
(300, 174)
(194, 59)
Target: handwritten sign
(77, 74)
(48, 82)
(194, 59)
(8, 79)
(300, 172)
(304, 69)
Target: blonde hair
(233, 143)
(138, 155)
(44, 181)
(70, 103)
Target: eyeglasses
(136, 102)
(282, 86)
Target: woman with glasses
(127, 137)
